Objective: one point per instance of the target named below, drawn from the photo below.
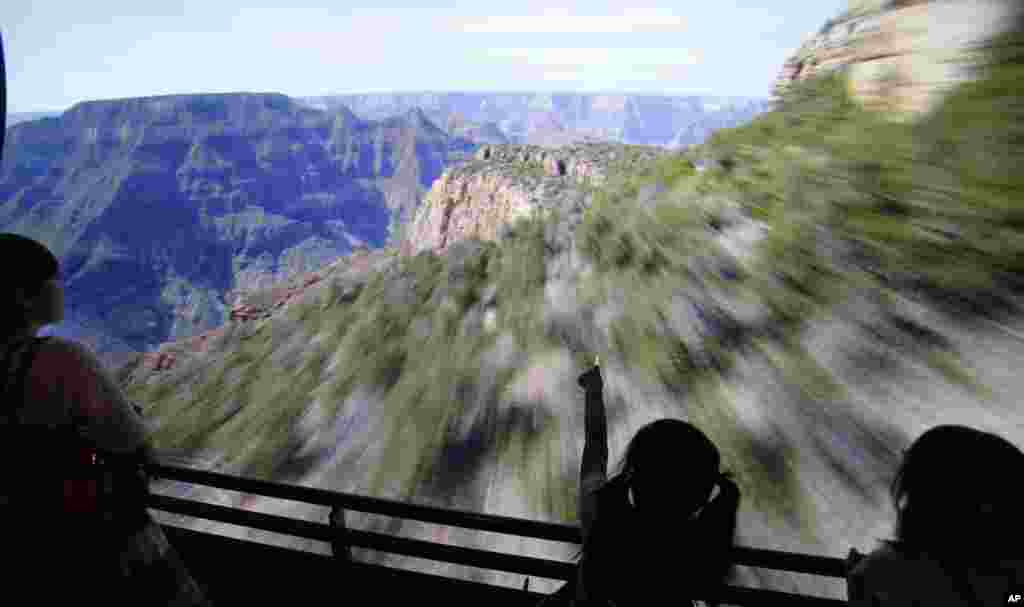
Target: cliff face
(503, 183)
(158, 207)
(899, 54)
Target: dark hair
(658, 454)
(30, 264)
(661, 444)
(962, 501)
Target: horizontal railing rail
(475, 557)
(342, 538)
(374, 505)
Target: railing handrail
(742, 555)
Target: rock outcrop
(503, 183)
(900, 55)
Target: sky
(59, 53)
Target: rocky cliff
(901, 56)
(158, 207)
(503, 183)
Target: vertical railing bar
(340, 547)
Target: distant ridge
(563, 118)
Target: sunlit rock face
(901, 56)
(505, 183)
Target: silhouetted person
(660, 530)
(959, 529)
(73, 525)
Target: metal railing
(342, 539)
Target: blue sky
(60, 53)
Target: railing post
(339, 545)
(852, 558)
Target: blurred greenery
(935, 202)
(850, 198)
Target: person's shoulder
(56, 343)
(889, 564)
(885, 558)
(67, 349)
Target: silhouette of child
(60, 393)
(959, 529)
(660, 529)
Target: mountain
(561, 119)
(14, 118)
(159, 208)
(723, 117)
(487, 132)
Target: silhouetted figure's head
(957, 494)
(30, 294)
(671, 467)
(674, 537)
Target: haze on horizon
(59, 54)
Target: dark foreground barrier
(239, 572)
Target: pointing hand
(591, 380)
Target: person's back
(634, 559)
(65, 384)
(57, 402)
(891, 576)
(959, 529)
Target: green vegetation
(766, 475)
(403, 334)
(533, 170)
(671, 169)
(801, 370)
(935, 201)
(851, 199)
(518, 270)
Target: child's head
(957, 486)
(672, 467)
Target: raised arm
(594, 464)
(595, 447)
